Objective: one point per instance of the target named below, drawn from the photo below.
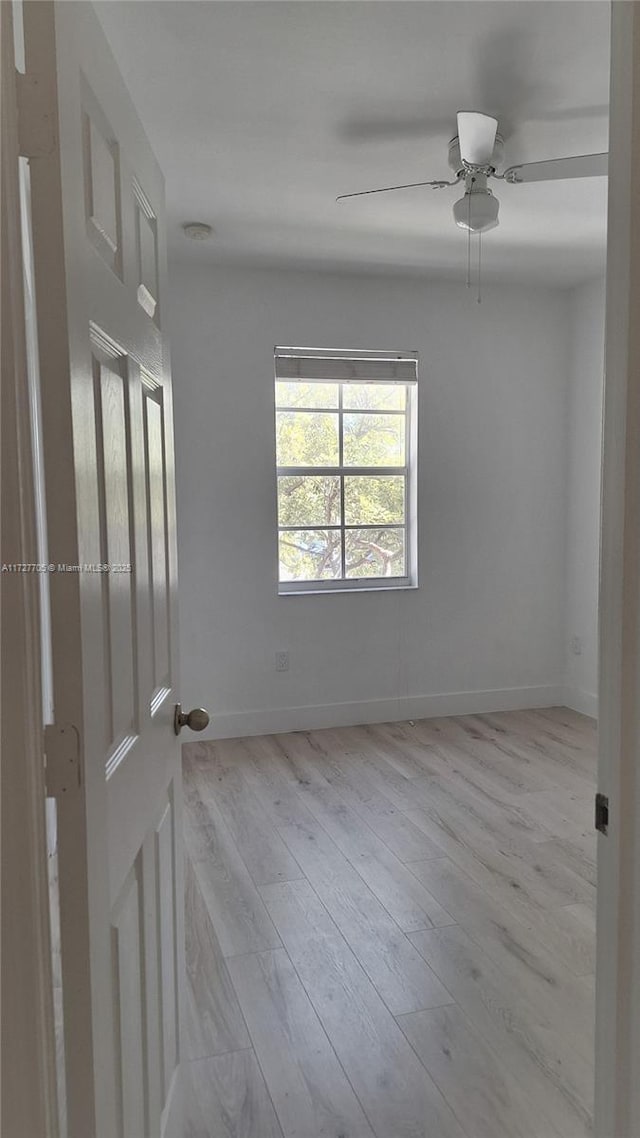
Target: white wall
(583, 499)
(486, 627)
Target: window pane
(306, 439)
(310, 555)
(309, 501)
(297, 394)
(374, 501)
(374, 396)
(374, 440)
(375, 553)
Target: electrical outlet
(576, 645)
(282, 661)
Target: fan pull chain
(469, 245)
(480, 268)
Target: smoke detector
(197, 230)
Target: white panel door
(112, 757)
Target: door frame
(617, 1094)
(29, 1098)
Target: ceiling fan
(475, 154)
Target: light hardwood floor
(391, 930)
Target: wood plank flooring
(391, 930)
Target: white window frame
(370, 368)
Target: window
(345, 453)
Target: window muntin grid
(350, 546)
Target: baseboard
(583, 701)
(313, 717)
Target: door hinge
(62, 752)
(602, 813)
(36, 117)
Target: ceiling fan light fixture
(477, 211)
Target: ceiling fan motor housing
(458, 166)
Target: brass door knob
(196, 719)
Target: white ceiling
(262, 112)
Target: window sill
(311, 592)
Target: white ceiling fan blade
(387, 189)
(477, 137)
(582, 166)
